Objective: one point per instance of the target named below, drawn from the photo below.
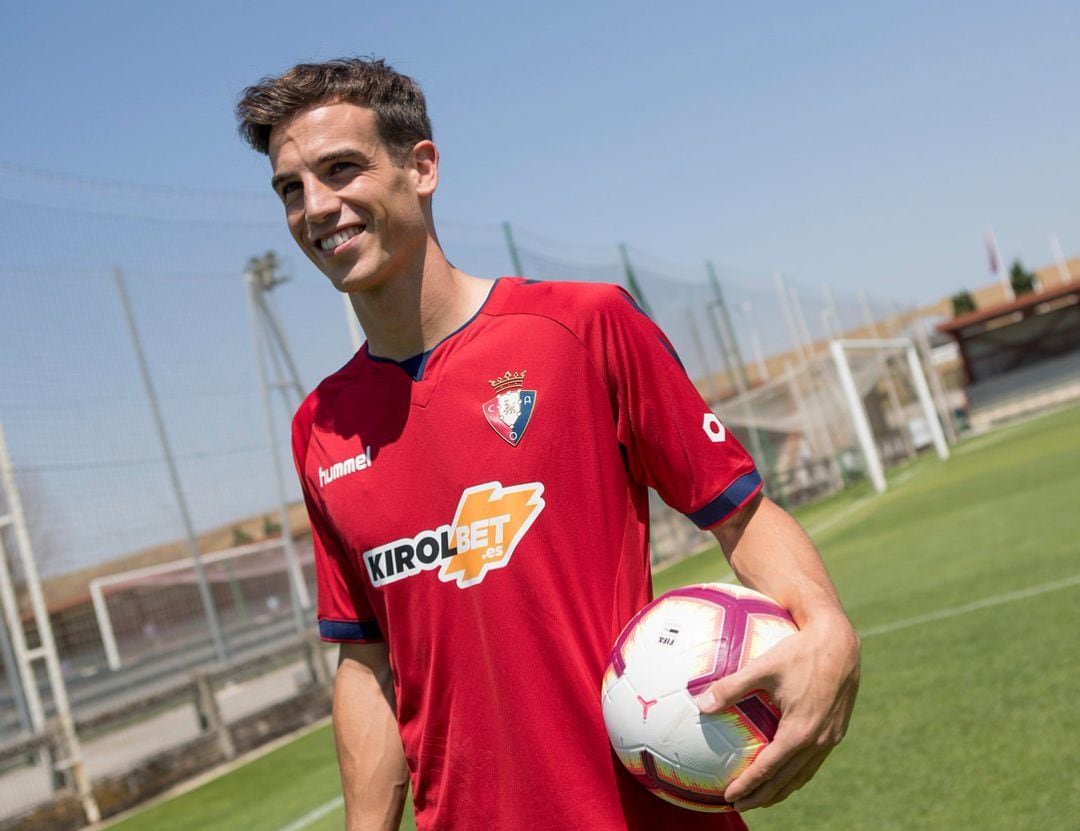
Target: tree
(240, 536)
(1023, 281)
(962, 303)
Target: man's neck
(413, 311)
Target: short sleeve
(345, 614)
(673, 441)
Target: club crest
(510, 411)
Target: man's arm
(812, 676)
(374, 778)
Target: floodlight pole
(220, 649)
(301, 600)
(47, 650)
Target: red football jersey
(489, 517)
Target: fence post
(316, 661)
(209, 713)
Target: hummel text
(361, 461)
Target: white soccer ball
(669, 652)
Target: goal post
(144, 611)
(839, 349)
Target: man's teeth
(334, 240)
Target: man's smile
(330, 243)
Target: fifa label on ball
(668, 634)
(669, 652)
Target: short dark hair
(400, 110)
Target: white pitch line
(315, 814)
(986, 602)
(839, 516)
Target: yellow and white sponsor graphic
(489, 523)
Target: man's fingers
(773, 759)
(730, 690)
(791, 776)
(800, 779)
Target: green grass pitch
(967, 716)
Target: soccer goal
(854, 385)
(851, 410)
(157, 609)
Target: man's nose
(320, 201)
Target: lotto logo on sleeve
(489, 523)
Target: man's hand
(812, 676)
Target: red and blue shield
(509, 413)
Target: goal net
(146, 612)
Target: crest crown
(510, 380)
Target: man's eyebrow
(330, 156)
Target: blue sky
(860, 144)
(850, 144)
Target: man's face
(355, 212)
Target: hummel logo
(361, 461)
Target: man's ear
(424, 162)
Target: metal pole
(745, 309)
(47, 650)
(789, 319)
(11, 672)
(891, 391)
(1002, 273)
(23, 678)
(278, 333)
(927, 403)
(1059, 259)
(301, 600)
(212, 620)
(800, 319)
(732, 341)
(729, 345)
(695, 336)
(355, 337)
(632, 283)
(858, 417)
(515, 260)
(105, 627)
(936, 386)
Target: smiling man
(477, 481)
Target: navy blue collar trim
(414, 367)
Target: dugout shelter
(1020, 356)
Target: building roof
(1024, 302)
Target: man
(476, 478)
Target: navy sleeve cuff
(737, 494)
(350, 631)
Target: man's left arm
(812, 676)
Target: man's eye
(289, 187)
(338, 167)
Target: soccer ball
(669, 652)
